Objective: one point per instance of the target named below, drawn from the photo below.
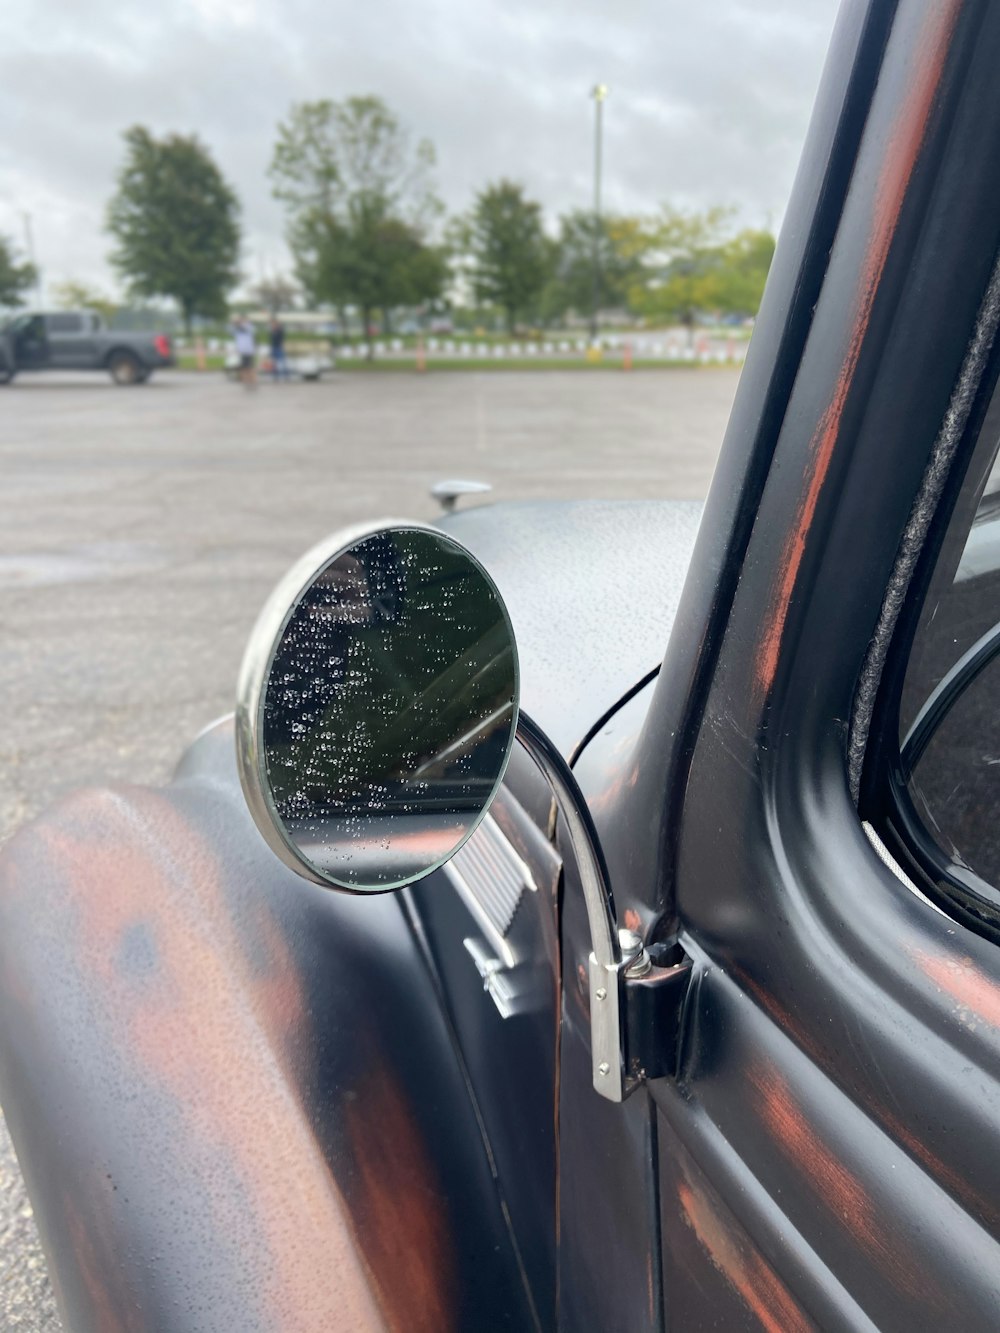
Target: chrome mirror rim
(254, 674)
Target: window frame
(884, 797)
(52, 324)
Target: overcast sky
(709, 101)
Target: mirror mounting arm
(620, 966)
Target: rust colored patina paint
(977, 997)
(901, 156)
(215, 1029)
(834, 1186)
(404, 1240)
(756, 1283)
(958, 1186)
(200, 1030)
(617, 786)
(93, 1250)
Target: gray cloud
(709, 103)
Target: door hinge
(654, 1009)
(636, 1008)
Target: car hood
(592, 588)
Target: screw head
(602, 994)
(604, 1068)
(630, 942)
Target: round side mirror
(377, 707)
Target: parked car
(78, 340)
(694, 1021)
(307, 366)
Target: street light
(29, 240)
(599, 92)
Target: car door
(30, 342)
(821, 1150)
(490, 919)
(71, 341)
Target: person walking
(279, 362)
(246, 349)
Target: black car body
(78, 340)
(241, 1101)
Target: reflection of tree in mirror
(391, 694)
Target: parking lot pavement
(140, 530)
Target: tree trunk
(387, 323)
(511, 322)
(366, 316)
(187, 313)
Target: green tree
(15, 278)
(275, 293)
(618, 244)
(360, 203)
(73, 295)
(372, 261)
(176, 223)
(682, 253)
(511, 257)
(692, 267)
(736, 284)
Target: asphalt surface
(141, 529)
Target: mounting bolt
(602, 994)
(636, 961)
(604, 1068)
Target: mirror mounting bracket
(635, 1007)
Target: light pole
(599, 92)
(29, 240)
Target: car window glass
(65, 323)
(949, 721)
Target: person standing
(279, 362)
(246, 350)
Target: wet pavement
(141, 529)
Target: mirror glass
(386, 710)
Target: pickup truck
(78, 340)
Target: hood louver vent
(492, 879)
